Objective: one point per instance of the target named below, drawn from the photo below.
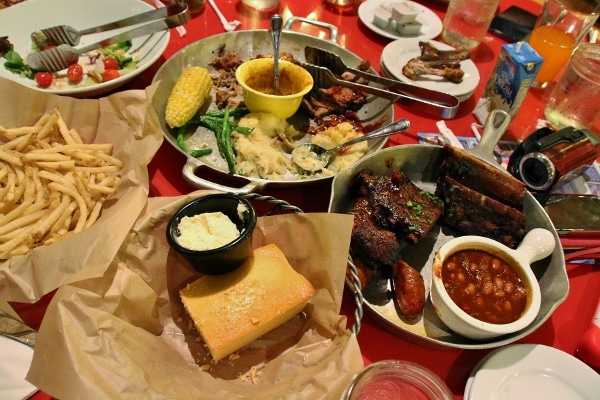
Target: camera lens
(537, 171)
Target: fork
(64, 34)
(60, 57)
(426, 100)
(12, 328)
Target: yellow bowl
(256, 78)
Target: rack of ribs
(399, 205)
(481, 199)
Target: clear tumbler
(467, 22)
(573, 101)
(262, 5)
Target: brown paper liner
(125, 119)
(125, 334)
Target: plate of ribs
(408, 201)
(432, 65)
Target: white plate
(18, 21)
(527, 371)
(396, 54)
(432, 25)
(14, 365)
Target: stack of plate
(396, 54)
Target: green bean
(209, 122)
(232, 112)
(180, 138)
(244, 130)
(201, 152)
(224, 143)
(219, 122)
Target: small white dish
(536, 245)
(20, 20)
(397, 53)
(529, 371)
(431, 23)
(14, 365)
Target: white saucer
(528, 371)
(431, 23)
(14, 365)
(396, 54)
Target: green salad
(95, 67)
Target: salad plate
(525, 371)
(19, 21)
(396, 54)
(431, 23)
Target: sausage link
(409, 288)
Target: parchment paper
(125, 119)
(125, 335)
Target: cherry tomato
(110, 74)
(75, 73)
(49, 46)
(110, 63)
(44, 79)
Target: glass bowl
(397, 380)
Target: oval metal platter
(249, 44)
(420, 163)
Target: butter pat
(232, 310)
(403, 12)
(206, 231)
(382, 17)
(408, 28)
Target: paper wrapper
(125, 119)
(126, 335)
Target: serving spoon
(312, 157)
(276, 23)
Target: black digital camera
(547, 157)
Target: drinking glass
(572, 101)
(558, 30)
(467, 22)
(261, 5)
(342, 6)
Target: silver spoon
(276, 22)
(312, 157)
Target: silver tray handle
(333, 30)
(189, 174)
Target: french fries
(52, 185)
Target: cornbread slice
(232, 310)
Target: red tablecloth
(561, 331)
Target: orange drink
(558, 30)
(555, 46)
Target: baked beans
(484, 286)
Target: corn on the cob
(187, 96)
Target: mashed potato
(266, 152)
(337, 135)
(262, 153)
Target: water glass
(558, 30)
(194, 6)
(467, 22)
(572, 101)
(261, 5)
(342, 6)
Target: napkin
(126, 335)
(125, 119)
(15, 361)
